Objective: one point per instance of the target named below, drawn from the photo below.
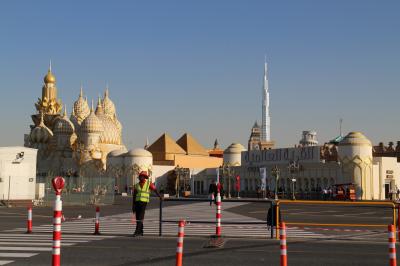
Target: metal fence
(80, 191)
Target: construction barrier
(58, 184)
(97, 222)
(322, 202)
(392, 245)
(218, 216)
(179, 244)
(282, 230)
(29, 221)
(212, 221)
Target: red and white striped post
(218, 216)
(392, 245)
(29, 221)
(179, 244)
(283, 244)
(97, 222)
(58, 184)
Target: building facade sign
(281, 156)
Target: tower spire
(50, 66)
(266, 120)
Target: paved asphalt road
(150, 250)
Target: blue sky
(197, 66)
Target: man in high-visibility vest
(141, 196)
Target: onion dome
(49, 78)
(41, 133)
(63, 126)
(81, 108)
(92, 124)
(108, 105)
(110, 135)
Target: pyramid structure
(191, 145)
(164, 148)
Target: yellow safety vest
(143, 193)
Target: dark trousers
(140, 208)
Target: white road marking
(34, 244)
(17, 255)
(4, 262)
(25, 248)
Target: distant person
(141, 196)
(271, 218)
(212, 191)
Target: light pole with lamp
(227, 170)
(293, 167)
(276, 172)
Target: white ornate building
(66, 145)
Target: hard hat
(143, 174)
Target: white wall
(18, 177)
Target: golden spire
(65, 111)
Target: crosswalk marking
(25, 249)
(33, 244)
(124, 224)
(22, 243)
(17, 255)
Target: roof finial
(92, 108)
(81, 92)
(106, 92)
(50, 66)
(99, 100)
(65, 110)
(216, 144)
(340, 126)
(147, 143)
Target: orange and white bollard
(392, 245)
(282, 230)
(29, 222)
(97, 222)
(218, 216)
(179, 245)
(58, 185)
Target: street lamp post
(228, 171)
(293, 167)
(276, 172)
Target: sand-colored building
(186, 152)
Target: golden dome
(49, 78)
